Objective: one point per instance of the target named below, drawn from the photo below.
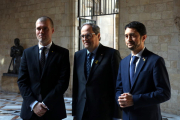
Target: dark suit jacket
(150, 88)
(98, 91)
(51, 83)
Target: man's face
(44, 32)
(133, 40)
(92, 42)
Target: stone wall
(163, 38)
(161, 18)
(18, 19)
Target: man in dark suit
(44, 76)
(94, 78)
(142, 82)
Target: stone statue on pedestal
(16, 53)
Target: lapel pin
(96, 61)
(52, 51)
(144, 59)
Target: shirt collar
(48, 46)
(94, 52)
(138, 54)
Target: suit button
(84, 97)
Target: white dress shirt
(46, 51)
(46, 55)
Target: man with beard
(44, 76)
(142, 82)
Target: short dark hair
(95, 27)
(138, 26)
(44, 18)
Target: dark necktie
(132, 68)
(43, 58)
(88, 64)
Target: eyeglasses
(88, 36)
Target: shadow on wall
(177, 22)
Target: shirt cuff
(33, 104)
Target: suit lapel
(36, 55)
(126, 66)
(83, 62)
(52, 52)
(98, 59)
(141, 63)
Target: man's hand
(40, 109)
(125, 100)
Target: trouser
(35, 117)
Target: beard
(135, 45)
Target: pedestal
(9, 83)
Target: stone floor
(10, 104)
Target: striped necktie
(88, 64)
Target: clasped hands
(125, 100)
(40, 109)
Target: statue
(16, 53)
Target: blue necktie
(132, 68)
(88, 64)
